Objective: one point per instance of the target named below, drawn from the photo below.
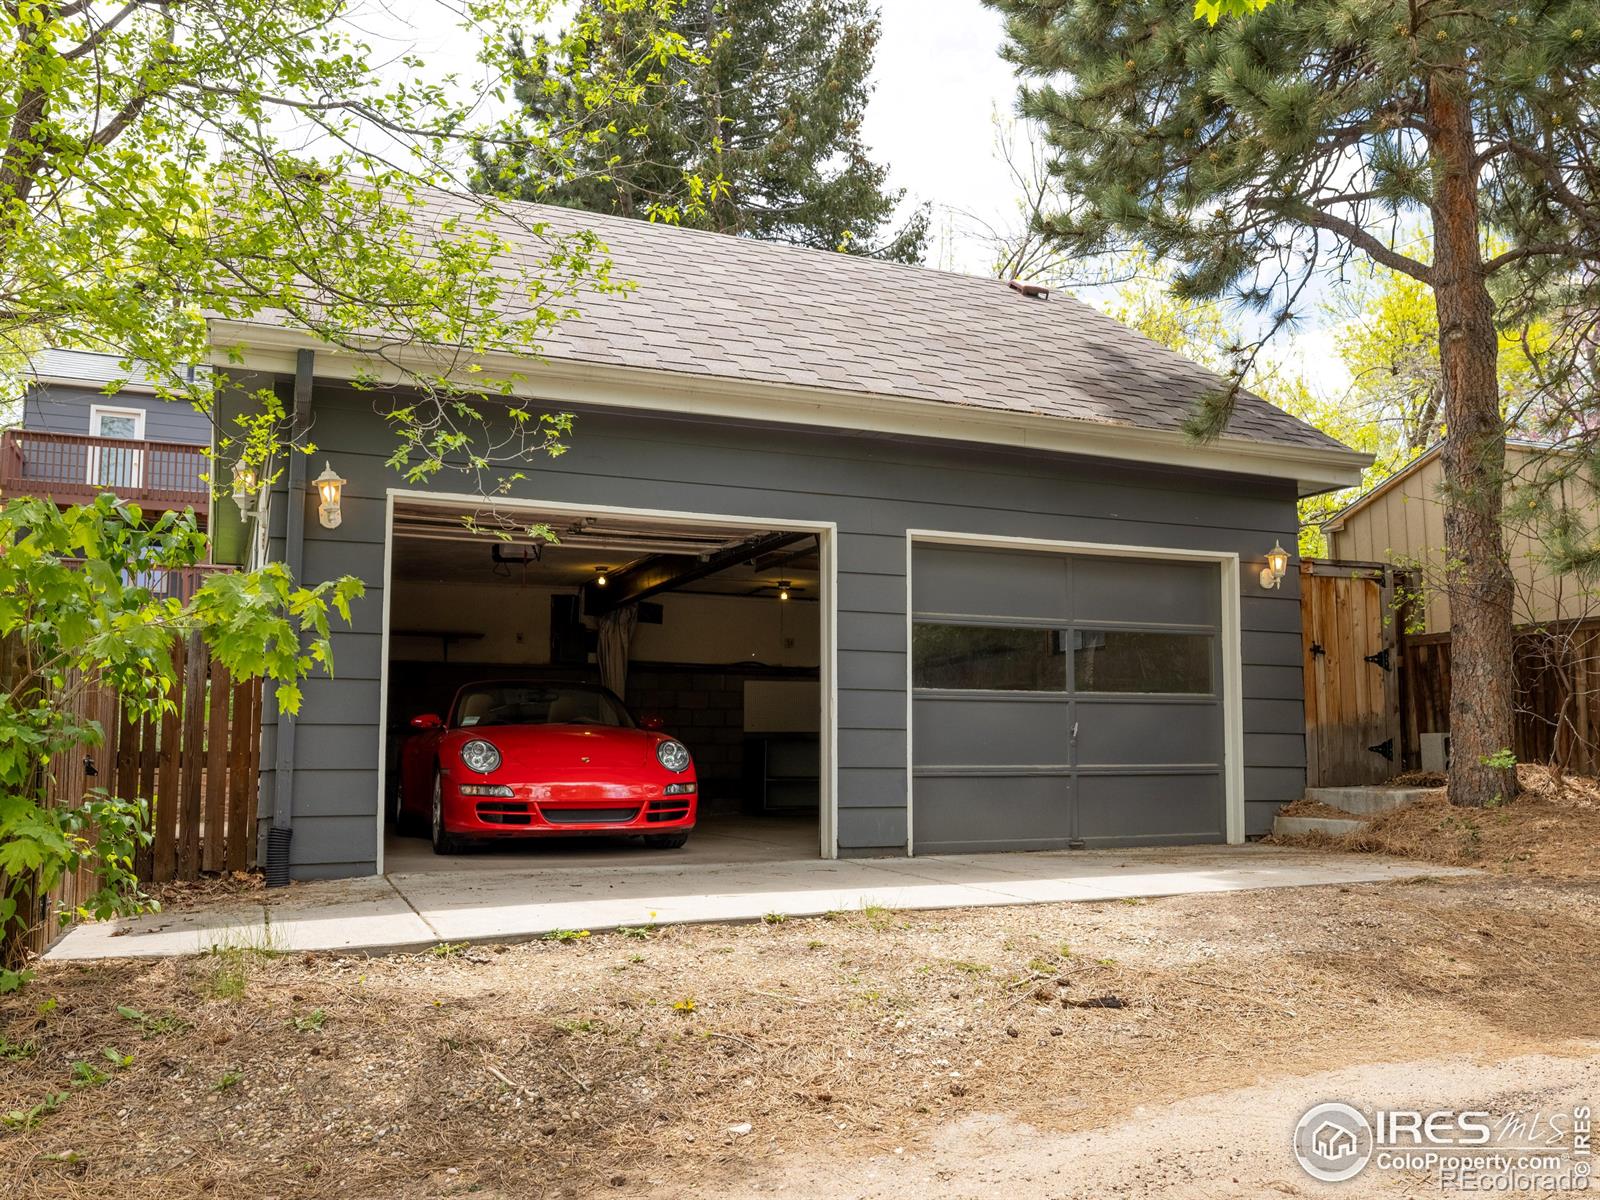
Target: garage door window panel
(1126, 660)
(987, 658)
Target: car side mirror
(427, 721)
(655, 724)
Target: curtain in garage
(616, 637)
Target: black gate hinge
(1385, 748)
(1316, 649)
(1380, 659)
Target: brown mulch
(1551, 829)
(1420, 779)
(183, 895)
(624, 1063)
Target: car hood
(565, 745)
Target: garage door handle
(1074, 733)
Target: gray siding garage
(1064, 700)
(1042, 622)
(875, 490)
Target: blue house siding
(875, 489)
(59, 408)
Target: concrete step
(1300, 826)
(1366, 800)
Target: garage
(708, 630)
(1066, 700)
(1025, 609)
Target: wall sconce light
(328, 486)
(1277, 566)
(244, 487)
(783, 589)
(600, 579)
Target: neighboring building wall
(58, 408)
(1403, 524)
(875, 488)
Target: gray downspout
(281, 831)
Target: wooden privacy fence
(1372, 689)
(1556, 674)
(195, 764)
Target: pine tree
(1256, 152)
(764, 112)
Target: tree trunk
(1477, 573)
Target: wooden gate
(1349, 637)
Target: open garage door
(710, 633)
(1064, 700)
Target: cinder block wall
(705, 711)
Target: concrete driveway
(409, 911)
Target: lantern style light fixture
(783, 589)
(244, 486)
(328, 486)
(1277, 565)
(601, 577)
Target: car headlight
(674, 756)
(480, 756)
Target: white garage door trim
(827, 536)
(1232, 653)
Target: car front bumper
(566, 809)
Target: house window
(1125, 660)
(987, 658)
(116, 466)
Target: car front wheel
(444, 842)
(402, 823)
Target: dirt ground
(1551, 830)
(873, 1054)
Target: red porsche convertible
(525, 758)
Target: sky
(939, 84)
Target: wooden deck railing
(71, 468)
(180, 582)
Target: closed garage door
(1064, 700)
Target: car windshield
(538, 704)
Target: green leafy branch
(80, 609)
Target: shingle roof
(734, 308)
